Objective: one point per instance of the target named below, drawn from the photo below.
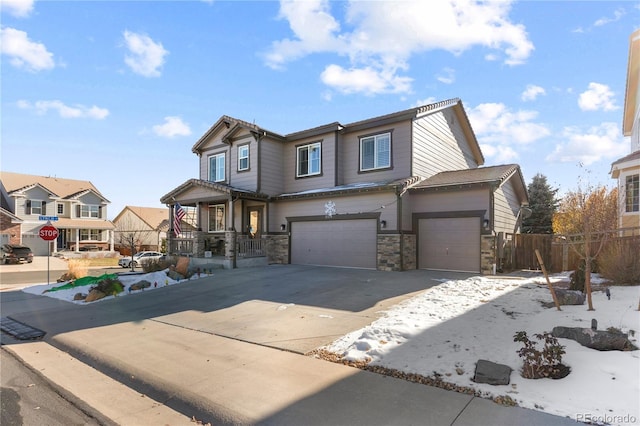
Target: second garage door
(450, 244)
(347, 243)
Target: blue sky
(117, 92)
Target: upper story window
(243, 158)
(632, 191)
(90, 211)
(308, 160)
(60, 209)
(216, 168)
(36, 207)
(375, 152)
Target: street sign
(48, 232)
(48, 218)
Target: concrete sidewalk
(226, 350)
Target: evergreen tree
(543, 204)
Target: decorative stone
(140, 285)
(94, 295)
(492, 373)
(79, 296)
(175, 276)
(570, 297)
(595, 339)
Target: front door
(254, 221)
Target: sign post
(48, 233)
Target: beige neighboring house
(395, 192)
(147, 225)
(79, 210)
(627, 169)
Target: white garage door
(348, 243)
(449, 244)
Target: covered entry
(449, 244)
(333, 242)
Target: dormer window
(217, 168)
(375, 152)
(308, 160)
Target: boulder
(94, 295)
(570, 297)
(492, 373)
(595, 339)
(174, 275)
(140, 285)
(79, 296)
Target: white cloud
(586, 147)
(423, 102)
(146, 56)
(499, 154)
(172, 126)
(447, 76)
(17, 8)
(617, 14)
(597, 97)
(23, 52)
(65, 111)
(494, 123)
(382, 37)
(532, 92)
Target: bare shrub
(620, 261)
(77, 268)
(155, 265)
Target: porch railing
(251, 247)
(181, 246)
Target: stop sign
(48, 233)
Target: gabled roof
(156, 218)
(14, 183)
(352, 188)
(615, 170)
(171, 197)
(458, 179)
(10, 215)
(231, 125)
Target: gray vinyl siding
(400, 154)
(345, 205)
(247, 179)
(271, 166)
(506, 206)
(440, 145)
(204, 160)
(326, 179)
(452, 201)
(39, 194)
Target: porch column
(77, 240)
(111, 238)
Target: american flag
(178, 214)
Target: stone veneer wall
(409, 251)
(487, 254)
(389, 252)
(277, 248)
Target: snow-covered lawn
(443, 331)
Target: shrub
(578, 277)
(109, 286)
(155, 265)
(76, 269)
(540, 363)
(620, 262)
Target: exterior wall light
(383, 224)
(283, 227)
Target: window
(60, 208)
(35, 207)
(375, 152)
(92, 211)
(632, 193)
(90, 235)
(216, 218)
(243, 157)
(308, 160)
(216, 168)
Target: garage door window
(375, 152)
(216, 218)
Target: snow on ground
(446, 329)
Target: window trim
(240, 157)
(375, 137)
(90, 233)
(307, 146)
(632, 200)
(224, 165)
(89, 211)
(42, 204)
(224, 217)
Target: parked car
(14, 253)
(140, 258)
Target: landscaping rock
(79, 296)
(94, 295)
(140, 285)
(492, 373)
(595, 339)
(175, 275)
(570, 297)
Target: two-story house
(395, 192)
(627, 169)
(80, 209)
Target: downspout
(400, 226)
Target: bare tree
(586, 219)
(131, 234)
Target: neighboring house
(627, 169)
(10, 228)
(146, 226)
(80, 208)
(395, 192)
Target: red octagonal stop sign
(48, 233)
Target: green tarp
(84, 281)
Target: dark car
(14, 253)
